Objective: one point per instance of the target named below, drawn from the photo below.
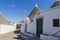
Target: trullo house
(6, 26)
(44, 24)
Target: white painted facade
(7, 28)
(43, 37)
(48, 28)
(23, 27)
(48, 16)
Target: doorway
(39, 27)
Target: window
(56, 22)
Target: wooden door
(39, 27)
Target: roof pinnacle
(36, 5)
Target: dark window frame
(55, 22)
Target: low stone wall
(6, 28)
(44, 37)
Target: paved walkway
(11, 36)
(8, 36)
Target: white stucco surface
(48, 16)
(23, 28)
(31, 27)
(44, 37)
(48, 21)
(7, 28)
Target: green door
(39, 27)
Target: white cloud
(13, 5)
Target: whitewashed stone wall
(7, 28)
(48, 16)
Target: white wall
(7, 28)
(48, 17)
(48, 21)
(31, 27)
(44, 37)
(23, 27)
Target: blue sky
(12, 10)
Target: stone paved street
(11, 36)
(8, 36)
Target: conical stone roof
(34, 11)
(3, 20)
(57, 3)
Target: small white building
(45, 24)
(24, 26)
(6, 26)
(26, 23)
